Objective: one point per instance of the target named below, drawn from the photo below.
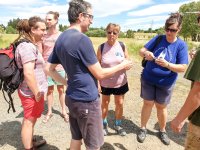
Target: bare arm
(162, 62)
(191, 104)
(29, 77)
(146, 54)
(50, 69)
(126, 53)
(101, 73)
(173, 67)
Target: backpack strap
(121, 44)
(11, 105)
(158, 39)
(101, 47)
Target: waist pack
(10, 75)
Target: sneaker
(164, 138)
(141, 135)
(120, 130)
(105, 130)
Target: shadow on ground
(178, 138)
(128, 125)
(11, 135)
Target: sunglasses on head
(110, 32)
(171, 30)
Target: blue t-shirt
(176, 53)
(75, 52)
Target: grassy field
(133, 45)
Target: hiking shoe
(141, 135)
(164, 138)
(120, 130)
(105, 130)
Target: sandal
(66, 117)
(46, 118)
(38, 141)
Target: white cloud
(103, 8)
(157, 9)
(153, 22)
(23, 2)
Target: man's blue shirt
(75, 52)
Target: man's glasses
(89, 15)
(171, 30)
(110, 32)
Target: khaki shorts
(193, 137)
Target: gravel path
(57, 133)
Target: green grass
(133, 45)
(6, 39)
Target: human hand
(149, 55)
(192, 53)
(161, 62)
(39, 96)
(177, 125)
(128, 64)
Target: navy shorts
(115, 91)
(86, 122)
(159, 94)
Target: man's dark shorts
(115, 91)
(86, 122)
(159, 94)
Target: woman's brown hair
(174, 18)
(24, 28)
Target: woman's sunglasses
(110, 32)
(171, 30)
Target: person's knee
(60, 89)
(50, 90)
(148, 104)
(105, 102)
(29, 123)
(161, 107)
(75, 144)
(119, 105)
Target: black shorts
(86, 122)
(115, 91)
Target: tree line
(190, 27)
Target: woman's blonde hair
(116, 26)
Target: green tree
(130, 34)
(190, 27)
(62, 27)
(10, 30)
(13, 23)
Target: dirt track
(57, 134)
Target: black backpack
(10, 75)
(121, 44)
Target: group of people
(48, 55)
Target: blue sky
(130, 14)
